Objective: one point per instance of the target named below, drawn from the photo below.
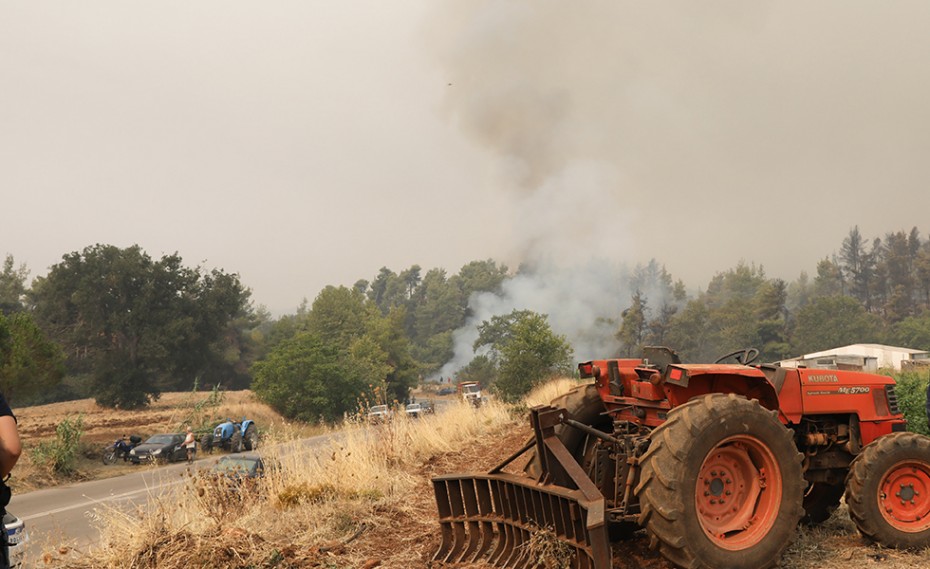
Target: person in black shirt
(10, 449)
(10, 446)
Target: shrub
(912, 399)
(61, 454)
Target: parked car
(414, 410)
(160, 448)
(446, 391)
(16, 538)
(240, 466)
(379, 414)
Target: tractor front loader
(718, 463)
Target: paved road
(62, 515)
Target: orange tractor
(717, 462)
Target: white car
(16, 537)
(414, 410)
(379, 414)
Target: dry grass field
(366, 501)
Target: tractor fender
(245, 424)
(686, 382)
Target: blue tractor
(234, 436)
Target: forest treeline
(120, 326)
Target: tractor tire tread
(585, 404)
(664, 472)
(865, 474)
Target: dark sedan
(160, 448)
(240, 466)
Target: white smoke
(576, 299)
(531, 82)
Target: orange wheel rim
(904, 496)
(738, 492)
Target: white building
(866, 357)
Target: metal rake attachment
(494, 518)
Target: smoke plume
(521, 79)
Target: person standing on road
(191, 445)
(10, 449)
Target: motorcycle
(120, 449)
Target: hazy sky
(306, 143)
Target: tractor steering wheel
(745, 356)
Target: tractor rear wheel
(888, 491)
(721, 485)
(820, 501)
(235, 442)
(206, 443)
(251, 438)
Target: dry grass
(545, 393)
(309, 509)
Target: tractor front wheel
(206, 443)
(721, 485)
(888, 491)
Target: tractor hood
(681, 374)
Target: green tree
(859, 266)
(690, 333)
(390, 290)
(132, 322)
(480, 276)
(898, 262)
(922, 275)
(439, 307)
(912, 332)
(656, 301)
(829, 280)
(402, 370)
(307, 378)
(30, 364)
(731, 299)
(481, 369)
(833, 321)
(339, 315)
(346, 320)
(12, 286)
(633, 326)
(526, 350)
(771, 320)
